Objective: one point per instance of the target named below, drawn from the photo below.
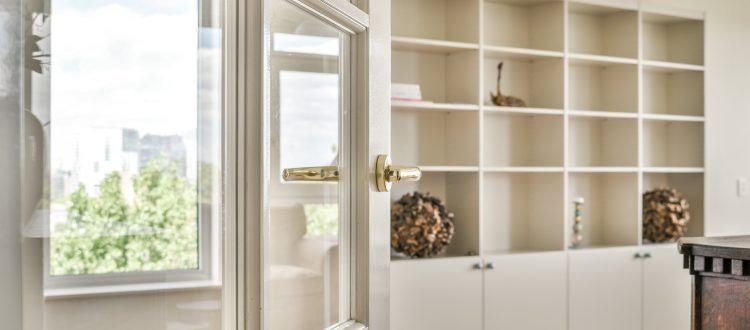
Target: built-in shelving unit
(615, 107)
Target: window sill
(350, 325)
(127, 289)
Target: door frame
(247, 89)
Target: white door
(325, 226)
(666, 289)
(605, 289)
(518, 287)
(437, 294)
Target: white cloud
(113, 66)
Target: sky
(124, 66)
(130, 64)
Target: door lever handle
(312, 174)
(386, 174)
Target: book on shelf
(406, 92)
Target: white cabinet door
(666, 290)
(605, 289)
(526, 291)
(437, 294)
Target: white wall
(192, 310)
(727, 112)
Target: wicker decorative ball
(421, 226)
(665, 215)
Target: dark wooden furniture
(721, 281)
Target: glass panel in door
(307, 266)
(123, 155)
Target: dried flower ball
(665, 215)
(421, 226)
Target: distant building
(85, 156)
(171, 146)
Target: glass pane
(306, 268)
(123, 104)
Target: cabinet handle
(477, 265)
(490, 266)
(647, 255)
(637, 255)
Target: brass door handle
(386, 174)
(313, 174)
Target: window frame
(343, 66)
(213, 218)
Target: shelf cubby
(524, 24)
(615, 105)
(449, 20)
(536, 80)
(512, 139)
(442, 77)
(672, 143)
(605, 31)
(610, 209)
(595, 142)
(521, 212)
(602, 86)
(459, 191)
(690, 185)
(430, 46)
(672, 39)
(673, 92)
(435, 138)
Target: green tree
(158, 230)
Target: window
(309, 113)
(134, 142)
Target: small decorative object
(665, 215)
(505, 100)
(576, 240)
(421, 226)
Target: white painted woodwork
(672, 91)
(603, 142)
(615, 94)
(522, 225)
(430, 138)
(603, 86)
(453, 20)
(538, 81)
(436, 294)
(672, 39)
(461, 191)
(512, 139)
(524, 24)
(444, 78)
(690, 184)
(610, 210)
(666, 290)
(601, 30)
(519, 292)
(673, 144)
(605, 289)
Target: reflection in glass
(123, 104)
(304, 273)
(128, 154)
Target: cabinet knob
(637, 255)
(647, 255)
(490, 265)
(477, 265)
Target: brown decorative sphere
(665, 215)
(421, 226)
